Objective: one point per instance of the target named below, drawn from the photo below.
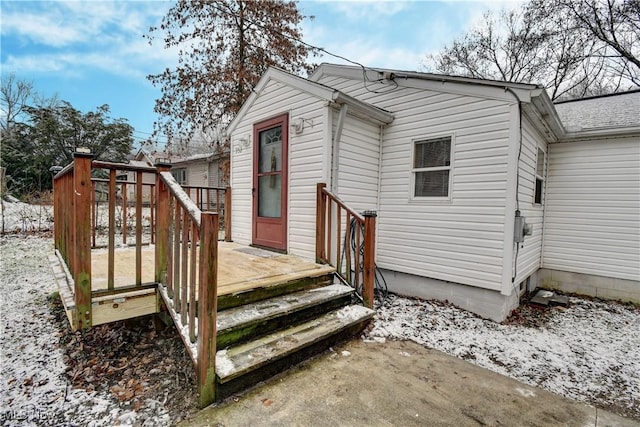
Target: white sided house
(482, 188)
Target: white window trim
(537, 177)
(412, 170)
(185, 174)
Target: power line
(365, 77)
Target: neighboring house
(141, 159)
(202, 170)
(452, 166)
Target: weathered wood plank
(207, 308)
(369, 273)
(162, 227)
(124, 306)
(125, 202)
(112, 229)
(82, 238)
(249, 357)
(138, 228)
(227, 215)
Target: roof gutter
(602, 133)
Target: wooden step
(249, 321)
(240, 366)
(274, 286)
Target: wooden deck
(282, 291)
(240, 268)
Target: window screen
(431, 167)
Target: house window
(180, 175)
(431, 167)
(540, 163)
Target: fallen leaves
(140, 366)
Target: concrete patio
(398, 383)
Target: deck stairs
(266, 330)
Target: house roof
(614, 111)
(199, 157)
(317, 89)
(139, 163)
(391, 74)
(604, 116)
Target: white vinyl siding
(215, 174)
(359, 160)
(306, 164)
(529, 252)
(592, 220)
(459, 240)
(198, 174)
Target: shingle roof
(603, 112)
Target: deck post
(163, 219)
(369, 257)
(57, 219)
(207, 307)
(227, 214)
(81, 237)
(320, 223)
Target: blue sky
(93, 53)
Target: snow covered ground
(23, 217)
(33, 387)
(589, 351)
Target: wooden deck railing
(213, 199)
(125, 200)
(346, 240)
(72, 230)
(190, 276)
(186, 246)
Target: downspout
(380, 135)
(335, 149)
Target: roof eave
(378, 115)
(542, 103)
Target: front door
(270, 142)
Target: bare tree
(614, 25)
(224, 48)
(15, 96)
(552, 43)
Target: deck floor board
(240, 268)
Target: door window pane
(269, 196)
(270, 154)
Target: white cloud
(368, 10)
(72, 38)
(394, 35)
(45, 29)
